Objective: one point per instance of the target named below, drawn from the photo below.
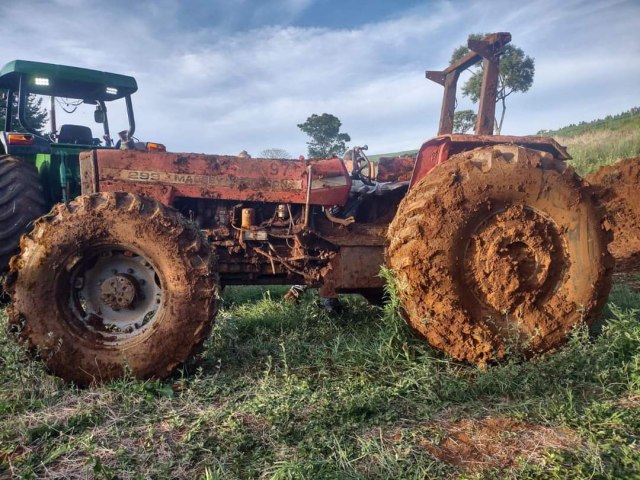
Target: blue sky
(221, 77)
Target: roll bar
(488, 50)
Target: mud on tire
(21, 201)
(499, 249)
(113, 282)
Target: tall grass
(601, 142)
(592, 150)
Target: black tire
(21, 201)
(111, 283)
(499, 250)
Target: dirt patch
(499, 251)
(395, 169)
(631, 402)
(617, 187)
(495, 442)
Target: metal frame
(23, 92)
(488, 50)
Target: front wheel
(110, 283)
(499, 250)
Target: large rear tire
(110, 283)
(500, 249)
(21, 202)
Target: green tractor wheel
(21, 202)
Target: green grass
(284, 391)
(623, 121)
(600, 142)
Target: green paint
(65, 81)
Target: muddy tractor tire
(21, 201)
(500, 251)
(112, 283)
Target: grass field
(284, 391)
(601, 142)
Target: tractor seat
(77, 134)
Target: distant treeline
(613, 122)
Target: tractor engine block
(269, 221)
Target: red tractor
(495, 243)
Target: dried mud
(395, 169)
(499, 250)
(617, 187)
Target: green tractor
(38, 170)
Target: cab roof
(64, 81)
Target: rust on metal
(88, 172)
(488, 49)
(307, 201)
(439, 149)
(219, 176)
(395, 169)
(119, 291)
(353, 268)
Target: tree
(515, 75)
(36, 115)
(274, 153)
(463, 121)
(326, 139)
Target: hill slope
(602, 141)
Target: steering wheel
(360, 163)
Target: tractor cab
(78, 99)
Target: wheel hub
(513, 257)
(119, 291)
(116, 293)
